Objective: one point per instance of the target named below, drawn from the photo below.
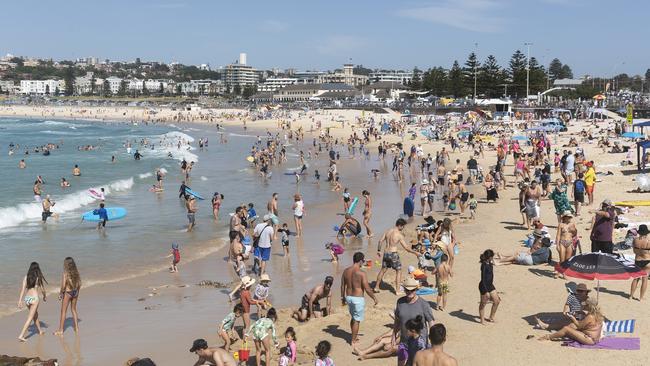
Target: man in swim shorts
(310, 302)
(211, 356)
(47, 207)
(354, 286)
(391, 259)
(190, 204)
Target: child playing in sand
(443, 273)
(227, 328)
(322, 353)
(176, 255)
(289, 354)
(473, 204)
(335, 250)
(261, 294)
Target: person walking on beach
(211, 356)
(367, 211)
(391, 259)
(33, 284)
(435, 355)
(602, 228)
(409, 307)
(641, 247)
(486, 287)
(263, 234)
(354, 285)
(298, 212)
(190, 204)
(47, 208)
(69, 294)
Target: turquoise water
(138, 243)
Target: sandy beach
(159, 314)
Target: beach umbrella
(633, 135)
(599, 97)
(600, 266)
(520, 138)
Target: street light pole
(475, 62)
(528, 44)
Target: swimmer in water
(76, 171)
(37, 190)
(21, 164)
(64, 183)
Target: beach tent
(640, 123)
(599, 97)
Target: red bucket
(244, 353)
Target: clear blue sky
(594, 37)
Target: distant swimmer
(137, 155)
(112, 158)
(37, 190)
(22, 164)
(76, 171)
(64, 183)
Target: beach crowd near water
(469, 205)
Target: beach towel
(619, 326)
(611, 343)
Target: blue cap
(246, 240)
(174, 245)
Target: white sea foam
(144, 175)
(240, 135)
(204, 178)
(163, 170)
(13, 216)
(170, 145)
(51, 132)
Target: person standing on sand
(409, 307)
(69, 294)
(298, 212)
(602, 228)
(211, 356)
(367, 211)
(435, 356)
(486, 286)
(391, 258)
(354, 285)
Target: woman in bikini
(367, 211)
(33, 284)
(642, 260)
(69, 294)
(446, 234)
(586, 331)
(567, 234)
(216, 205)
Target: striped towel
(620, 326)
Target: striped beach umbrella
(600, 266)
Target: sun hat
(266, 217)
(424, 181)
(582, 287)
(607, 202)
(247, 281)
(643, 230)
(411, 283)
(265, 278)
(567, 213)
(411, 269)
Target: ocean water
(137, 244)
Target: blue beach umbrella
(633, 135)
(519, 137)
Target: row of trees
(490, 79)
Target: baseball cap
(199, 344)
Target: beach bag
(256, 239)
(244, 352)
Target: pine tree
(93, 81)
(69, 81)
(106, 88)
(435, 81)
(537, 77)
(555, 69)
(416, 81)
(491, 78)
(567, 73)
(517, 73)
(122, 90)
(455, 81)
(47, 90)
(145, 91)
(161, 89)
(470, 73)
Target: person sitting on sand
(572, 307)
(380, 348)
(211, 356)
(539, 253)
(350, 225)
(586, 331)
(310, 302)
